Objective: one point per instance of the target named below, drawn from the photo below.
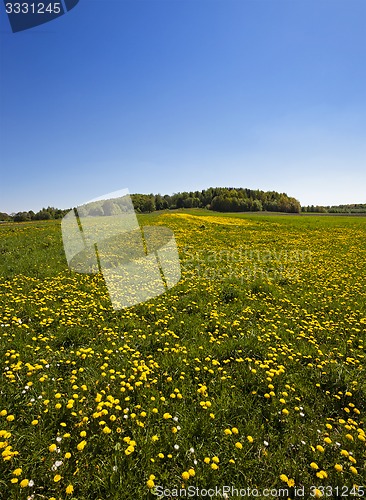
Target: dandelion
(150, 484)
(69, 489)
(322, 474)
(250, 439)
(238, 445)
(185, 475)
(81, 445)
(57, 478)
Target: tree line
(217, 199)
(353, 208)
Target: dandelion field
(250, 372)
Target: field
(249, 373)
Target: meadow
(249, 373)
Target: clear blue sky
(172, 95)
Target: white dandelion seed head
(176, 447)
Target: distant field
(249, 373)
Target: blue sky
(172, 95)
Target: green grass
(266, 304)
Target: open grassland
(250, 372)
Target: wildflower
(69, 489)
(238, 445)
(314, 466)
(322, 474)
(185, 475)
(150, 484)
(52, 447)
(81, 445)
(317, 493)
(250, 439)
(24, 483)
(57, 478)
(338, 467)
